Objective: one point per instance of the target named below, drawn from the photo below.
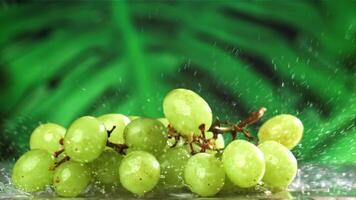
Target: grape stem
(110, 131)
(120, 148)
(56, 164)
(217, 128)
(57, 153)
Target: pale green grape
(133, 117)
(186, 111)
(172, 166)
(147, 135)
(85, 139)
(243, 163)
(231, 188)
(164, 121)
(32, 171)
(71, 178)
(105, 168)
(204, 174)
(219, 142)
(117, 120)
(281, 165)
(285, 129)
(209, 135)
(139, 172)
(47, 137)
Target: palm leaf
(62, 60)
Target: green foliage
(62, 60)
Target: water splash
(313, 180)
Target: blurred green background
(60, 60)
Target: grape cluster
(184, 149)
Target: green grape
(32, 171)
(117, 120)
(85, 139)
(71, 178)
(231, 188)
(147, 135)
(172, 166)
(285, 129)
(105, 168)
(281, 165)
(47, 137)
(209, 135)
(186, 111)
(219, 142)
(133, 117)
(243, 163)
(204, 174)
(164, 121)
(139, 172)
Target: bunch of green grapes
(184, 149)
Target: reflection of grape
(139, 172)
(281, 165)
(117, 120)
(204, 174)
(71, 178)
(147, 135)
(105, 168)
(172, 166)
(230, 188)
(32, 171)
(186, 111)
(285, 129)
(47, 137)
(243, 163)
(85, 139)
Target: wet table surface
(312, 182)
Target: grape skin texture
(244, 163)
(204, 174)
(285, 129)
(117, 120)
(139, 172)
(133, 117)
(186, 111)
(105, 168)
(147, 135)
(47, 137)
(164, 121)
(85, 139)
(281, 165)
(31, 171)
(172, 166)
(71, 178)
